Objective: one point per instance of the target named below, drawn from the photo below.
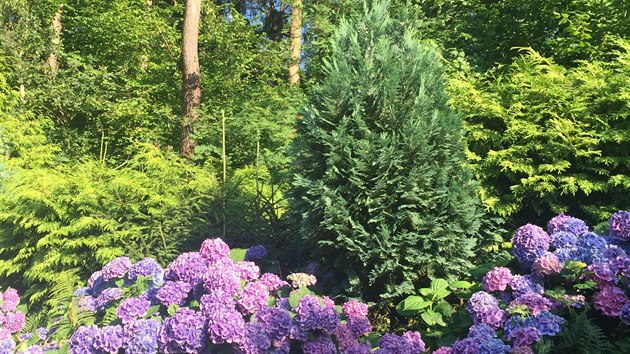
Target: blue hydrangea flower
(494, 346)
(141, 336)
(255, 253)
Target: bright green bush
(545, 139)
(78, 216)
(380, 186)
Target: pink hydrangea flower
(11, 300)
(547, 264)
(355, 308)
(610, 300)
(14, 321)
(214, 249)
(497, 279)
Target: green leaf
(119, 283)
(172, 309)
(444, 308)
(460, 284)
(439, 284)
(152, 310)
(411, 305)
(587, 285)
(237, 254)
(431, 318)
(296, 295)
(426, 292)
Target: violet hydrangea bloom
(554, 224)
(563, 239)
(7, 345)
(247, 271)
(497, 279)
(141, 336)
(355, 308)
(619, 224)
(601, 274)
(11, 299)
(253, 297)
(214, 249)
(465, 346)
(529, 242)
(108, 295)
(216, 300)
(190, 267)
(109, 339)
(610, 300)
(183, 333)
(359, 325)
(272, 281)
(535, 302)
(173, 293)
(310, 315)
(82, 340)
(482, 332)
(145, 268)
(96, 283)
(132, 308)
(624, 314)
(322, 345)
(494, 346)
(222, 275)
(254, 340)
(226, 327)
(443, 350)
(415, 342)
(255, 253)
(522, 284)
(524, 336)
(276, 323)
(116, 268)
(547, 264)
(358, 348)
(546, 323)
(484, 308)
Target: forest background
(108, 151)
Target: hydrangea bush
(213, 302)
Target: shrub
(380, 188)
(544, 139)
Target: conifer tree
(381, 189)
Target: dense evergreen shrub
(545, 139)
(381, 188)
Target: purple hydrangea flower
(443, 350)
(141, 336)
(566, 254)
(524, 336)
(522, 284)
(7, 345)
(322, 345)
(222, 275)
(254, 340)
(522, 350)
(84, 291)
(482, 332)
(530, 242)
(148, 267)
(14, 321)
(553, 225)
(96, 283)
(494, 346)
(345, 338)
(11, 299)
(545, 322)
(359, 325)
(484, 308)
(183, 333)
(563, 239)
(247, 271)
(109, 339)
(132, 308)
(497, 279)
(355, 308)
(601, 274)
(547, 264)
(253, 297)
(310, 315)
(190, 267)
(255, 253)
(610, 300)
(619, 224)
(272, 281)
(359, 348)
(415, 342)
(591, 248)
(173, 293)
(276, 322)
(217, 300)
(465, 346)
(107, 296)
(624, 314)
(116, 268)
(392, 344)
(535, 302)
(226, 327)
(214, 249)
(87, 304)
(82, 340)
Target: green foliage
(545, 139)
(79, 216)
(380, 184)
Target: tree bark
(296, 42)
(55, 41)
(191, 87)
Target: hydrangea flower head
(601, 274)
(415, 342)
(554, 224)
(619, 224)
(82, 340)
(141, 336)
(497, 279)
(226, 327)
(222, 275)
(14, 321)
(610, 300)
(359, 325)
(173, 293)
(190, 267)
(484, 308)
(11, 299)
(494, 346)
(253, 297)
(465, 346)
(132, 308)
(183, 333)
(116, 268)
(96, 283)
(214, 249)
(247, 270)
(272, 281)
(535, 302)
(522, 284)
(563, 239)
(482, 332)
(524, 336)
(547, 264)
(109, 339)
(7, 345)
(443, 350)
(301, 279)
(108, 295)
(322, 345)
(216, 300)
(147, 267)
(355, 308)
(359, 348)
(529, 242)
(276, 322)
(624, 314)
(255, 253)
(546, 323)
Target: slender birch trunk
(191, 87)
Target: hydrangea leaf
(411, 305)
(238, 254)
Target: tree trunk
(55, 41)
(296, 42)
(191, 80)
